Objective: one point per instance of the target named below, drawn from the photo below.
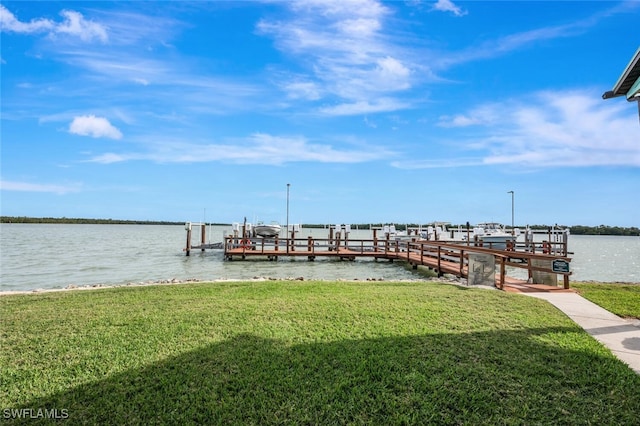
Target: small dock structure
(201, 229)
(481, 263)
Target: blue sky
(403, 111)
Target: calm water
(39, 256)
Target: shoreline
(174, 281)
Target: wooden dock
(482, 265)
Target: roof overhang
(628, 84)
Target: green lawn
(622, 299)
(296, 352)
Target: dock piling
(188, 247)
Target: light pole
(513, 230)
(287, 231)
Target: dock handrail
(442, 256)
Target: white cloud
(73, 24)
(370, 123)
(38, 187)
(392, 73)
(258, 148)
(571, 129)
(459, 121)
(449, 6)
(482, 115)
(359, 27)
(521, 40)
(443, 163)
(110, 158)
(9, 23)
(363, 107)
(347, 49)
(302, 90)
(341, 8)
(97, 127)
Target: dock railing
(444, 257)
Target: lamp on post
(287, 231)
(513, 230)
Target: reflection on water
(54, 256)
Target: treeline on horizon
(68, 220)
(574, 230)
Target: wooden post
(566, 281)
(439, 264)
(188, 249)
(330, 237)
(202, 235)
(225, 243)
(375, 240)
(228, 245)
(468, 241)
(461, 262)
(502, 272)
(293, 238)
(346, 238)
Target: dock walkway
(444, 257)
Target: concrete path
(621, 336)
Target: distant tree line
(575, 230)
(67, 220)
(604, 230)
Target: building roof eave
(627, 85)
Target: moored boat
(266, 230)
(494, 234)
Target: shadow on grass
(513, 377)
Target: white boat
(436, 231)
(494, 234)
(266, 230)
(390, 232)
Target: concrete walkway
(621, 336)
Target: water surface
(43, 256)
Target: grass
(623, 299)
(290, 352)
